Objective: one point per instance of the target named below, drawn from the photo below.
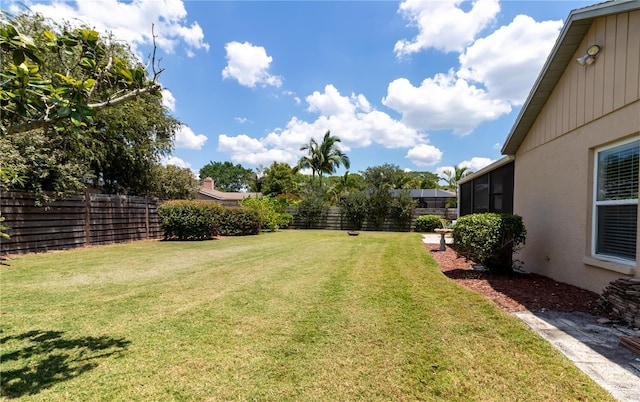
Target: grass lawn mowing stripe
(292, 315)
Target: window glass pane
(618, 172)
(617, 230)
(481, 194)
(497, 203)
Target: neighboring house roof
(424, 193)
(431, 193)
(224, 196)
(209, 190)
(572, 34)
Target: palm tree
(323, 158)
(452, 178)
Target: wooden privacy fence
(88, 219)
(334, 220)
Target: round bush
(489, 239)
(428, 223)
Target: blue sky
(425, 85)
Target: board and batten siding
(591, 106)
(586, 93)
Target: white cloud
(495, 73)
(476, 163)
(186, 138)
(497, 146)
(439, 102)
(424, 155)
(351, 118)
(132, 21)
(443, 25)
(168, 100)
(509, 60)
(330, 103)
(244, 149)
(440, 170)
(174, 160)
(249, 65)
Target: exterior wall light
(590, 56)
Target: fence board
(333, 220)
(76, 221)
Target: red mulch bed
(518, 292)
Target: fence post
(87, 217)
(146, 216)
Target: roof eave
(572, 34)
(491, 167)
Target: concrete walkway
(593, 347)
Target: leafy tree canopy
(387, 176)
(52, 137)
(280, 178)
(53, 74)
(174, 183)
(421, 180)
(227, 176)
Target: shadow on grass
(36, 360)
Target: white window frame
(596, 203)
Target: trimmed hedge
(239, 222)
(200, 220)
(489, 239)
(428, 223)
(190, 220)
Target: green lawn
(293, 315)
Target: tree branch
(45, 122)
(126, 97)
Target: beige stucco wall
(590, 107)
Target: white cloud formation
(351, 118)
(439, 102)
(508, 61)
(249, 65)
(476, 163)
(186, 138)
(132, 21)
(424, 155)
(244, 149)
(168, 100)
(174, 160)
(495, 73)
(443, 25)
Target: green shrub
(271, 212)
(401, 209)
(190, 220)
(428, 223)
(284, 220)
(239, 222)
(489, 239)
(312, 210)
(379, 206)
(354, 208)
